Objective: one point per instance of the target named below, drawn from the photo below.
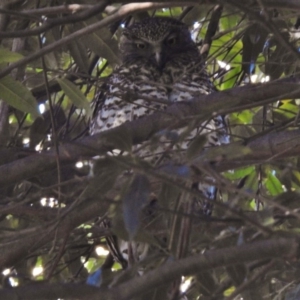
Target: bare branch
(175, 116)
(276, 145)
(268, 249)
(28, 241)
(50, 23)
(71, 8)
(289, 4)
(121, 13)
(4, 128)
(283, 248)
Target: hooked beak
(159, 59)
(158, 56)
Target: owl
(160, 65)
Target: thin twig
(269, 25)
(250, 281)
(121, 13)
(211, 30)
(50, 23)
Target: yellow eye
(172, 41)
(140, 45)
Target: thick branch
(288, 4)
(284, 248)
(175, 116)
(276, 145)
(268, 249)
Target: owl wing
(194, 81)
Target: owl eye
(140, 46)
(172, 41)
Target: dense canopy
(55, 56)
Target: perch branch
(177, 115)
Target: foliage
(54, 58)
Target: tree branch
(121, 13)
(282, 248)
(46, 291)
(289, 4)
(265, 149)
(29, 240)
(268, 25)
(177, 115)
(71, 8)
(268, 249)
(124, 11)
(50, 23)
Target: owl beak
(158, 58)
(158, 55)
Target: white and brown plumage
(159, 61)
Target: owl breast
(179, 80)
(124, 98)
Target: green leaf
(273, 185)
(229, 22)
(230, 78)
(239, 173)
(288, 109)
(79, 55)
(78, 52)
(245, 117)
(235, 47)
(101, 42)
(168, 192)
(7, 56)
(229, 291)
(18, 96)
(75, 95)
(133, 201)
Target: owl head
(156, 40)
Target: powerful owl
(161, 64)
